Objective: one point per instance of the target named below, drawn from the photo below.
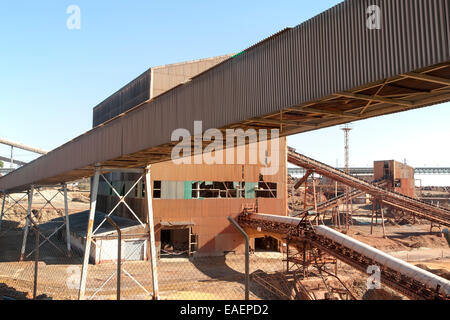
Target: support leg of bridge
(3, 208)
(27, 224)
(151, 227)
(315, 199)
(287, 256)
(338, 213)
(437, 226)
(87, 249)
(382, 218)
(373, 213)
(66, 214)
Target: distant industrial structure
(11, 159)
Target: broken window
(171, 190)
(266, 190)
(156, 189)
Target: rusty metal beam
(375, 98)
(428, 78)
(303, 179)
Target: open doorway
(266, 244)
(174, 243)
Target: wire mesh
(181, 276)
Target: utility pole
(348, 205)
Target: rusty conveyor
(411, 281)
(417, 207)
(321, 207)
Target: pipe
(22, 146)
(119, 252)
(247, 256)
(425, 277)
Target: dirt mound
(439, 272)
(380, 294)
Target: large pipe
(22, 146)
(423, 276)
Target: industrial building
(319, 74)
(191, 202)
(399, 175)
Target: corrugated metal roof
(79, 222)
(329, 70)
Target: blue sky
(51, 77)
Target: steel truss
(62, 189)
(91, 233)
(6, 198)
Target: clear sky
(51, 77)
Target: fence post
(27, 224)
(34, 224)
(247, 256)
(151, 227)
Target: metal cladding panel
(330, 53)
(166, 77)
(134, 93)
(94, 146)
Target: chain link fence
(180, 276)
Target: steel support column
(87, 249)
(66, 213)
(27, 224)
(382, 218)
(3, 208)
(151, 227)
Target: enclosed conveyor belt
(419, 208)
(403, 277)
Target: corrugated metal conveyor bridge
(409, 280)
(417, 207)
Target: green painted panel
(250, 192)
(188, 189)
